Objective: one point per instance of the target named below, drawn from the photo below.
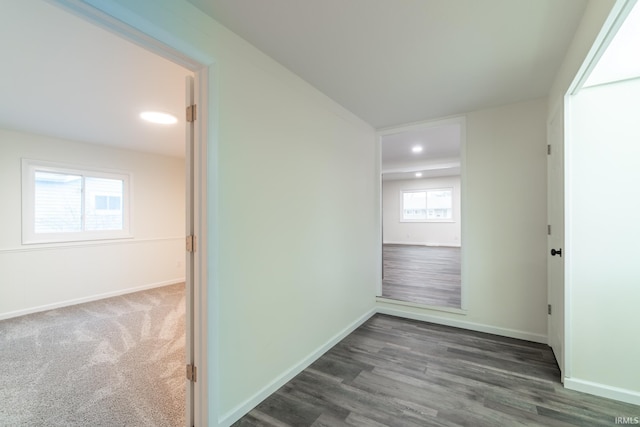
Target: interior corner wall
(294, 180)
(603, 177)
(419, 233)
(41, 276)
(504, 211)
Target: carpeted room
(76, 346)
(91, 328)
(116, 361)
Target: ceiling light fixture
(158, 117)
(418, 174)
(417, 149)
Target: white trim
(428, 221)
(603, 390)
(560, 352)
(190, 257)
(614, 21)
(119, 20)
(612, 24)
(438, 167)
(426, 204)
(463, 324)
(424, 124)
(97, 297)
(379, 237)
(434, 244)
(464, 291)
(422, 306)
(567, 348)
(88, 244)
(460, 120)
(30, 167)
(239, 411)
(204, 285)
(242, 409)
(123, 22)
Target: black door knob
(555, 252)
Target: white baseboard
(90, 298)
(436, 244)
(479, 327)
(242, 409)
(602, 390)
(431, 308)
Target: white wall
(601, 331)
(604, 229)
(42, 276)
(293, 177)
(419, 233)
(504, 225)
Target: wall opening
(421, 175)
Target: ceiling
(388, 61)
(66, 78)
(393, 62)
(440, 155)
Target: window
(62, 203)
(427, 205)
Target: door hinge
(549, 149)
(549, 230)
(191, 113)
(191, 373)
(548, 308)
(191, 243)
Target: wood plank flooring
(398, 372)
(422, 274)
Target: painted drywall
(294, 198)
(614, 332)
(604, 232)
(503, 225)
(419, 233)
(36, 277)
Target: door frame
(461, 120)
(556, 239)
(614, 21)
(109, 17)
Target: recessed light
(158, 117)
(418, 174)
(417, 149)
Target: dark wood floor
(397, 372)
(427, 275)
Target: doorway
(601, 204)
(195, 346)
(421, 176)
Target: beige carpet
(115, 362)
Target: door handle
(556, 252)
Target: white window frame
(427, 190)
(29, 236)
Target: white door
(555, 239)
(189, 262)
